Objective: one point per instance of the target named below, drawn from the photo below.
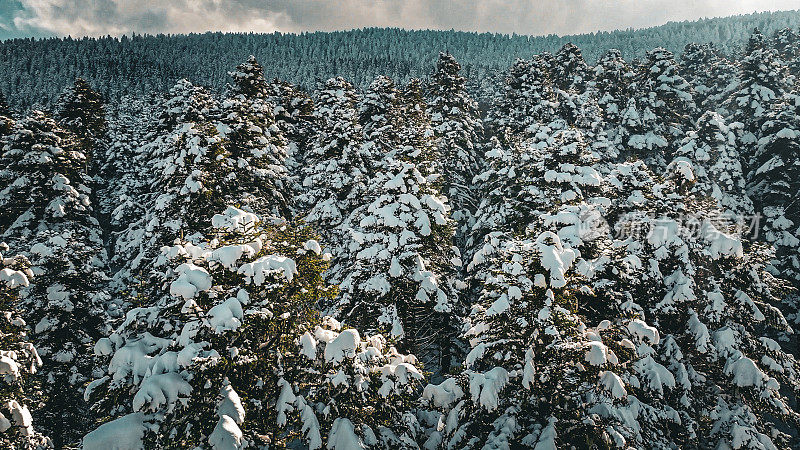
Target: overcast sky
(100, 17)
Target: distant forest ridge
(34, 71)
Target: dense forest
(604, 256)
(33, 71)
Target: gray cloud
(100, 17)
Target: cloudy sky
(100, 17)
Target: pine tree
(527, 98)
(773, 184)
(400, 272)
(612, 77)
(761, 81)
(235, 354)
(665, 105)
(536, 372)
(533, 178)
(6, 126)
(457, 125)
(5, 110)
(335, 167)
(82, 111)
(570, 72)
(19, 361)
(121, 197)
(713, 306)
(293, 110)
(709, 73)
(67, 308)
(378, 116)
(185, 161)
(711, 149)
(259, 177)
(787, 42)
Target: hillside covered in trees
(33, 71)
(606, 256)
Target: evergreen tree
(612, 77)
(235, 355)
(534, 178)
(258, 177)
(787, 42)
(68, 308)
(712, 304)
(185, 160)
(19, 361)
(527, 98)
(773, 184)
(5, 110)
(82, 111)
(6, 125)
(335, 167)
(121, 199)
(709, 73)
(665, 105)
(293, 110)
(457, 125)
(536, 372)
(570, 72)
(400, 272)
(711, 149)
(761, 81)
(378, 115)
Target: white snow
(234, 219)
(161, 390)
(258, 270)
(125, 433)
(226, 435)
(485, 387)
(343, 346)
(191, 281)
(612, 383)
(343, 436)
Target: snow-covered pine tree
(5, 110)
(570, 72)
(533, 178)
(19, 360)
(235, 354)
(711, 149)
(335, 169)
(256, 147)
(570, 76)
(185, 163)
(378, 116)
(67, 308)
(416, 131)
(82, 111)
(710, 74)
(712, 367)
(612, 77)
(787, 42)
(537, 376)
(773, 184)
(665, 106)
(400, 272)
(6, 125)
(458, 127)
(762, 78)
(293, 110)
(121, 197)
(527, 98)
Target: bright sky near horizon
(21, 18)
